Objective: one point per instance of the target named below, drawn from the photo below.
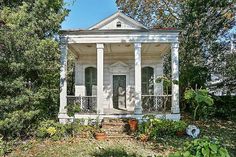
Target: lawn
(75, 147)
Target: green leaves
(29, 58)
(204, 147)
(198, 98)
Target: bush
(225, 107)
(52, 129)
(77, 129)
(201, 102)
(154, 127)
(1, 146)
(5, 147)
(202, 147)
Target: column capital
(63, 40)
(175, 45)
(137, 45)
(100, 46)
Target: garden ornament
(193, 131)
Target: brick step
(114, 123)
(116, 131)
(115, 120)
(115, 126)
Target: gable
(118, 21)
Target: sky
(85, 13)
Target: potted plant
(133, 124)
(100, 134)
(180, 127)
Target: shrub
(77, 129)
(200, 101)
(72, 109)
(202, 147)
(179, 125)
(5, 147)
(225, 107)
(52, 129)
(1, 146)
(154, 127)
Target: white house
(115, 63)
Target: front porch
(116, 68)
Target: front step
(116, 128)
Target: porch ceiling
(126, 49)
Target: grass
(223, 130)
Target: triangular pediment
(119, 67)
(118, 21)
(119, 64)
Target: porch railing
(156, 103)
(88, 104)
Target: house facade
(116, 63)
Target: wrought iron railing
(156, 103)
(88, 104)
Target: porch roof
(123, 31)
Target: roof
(109, 26)
(122, 18)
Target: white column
(100, 55)
(175, 78)
(137, 75)
(63, 82)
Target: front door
(119, 91)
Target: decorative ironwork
(156, 103)
(88, 104)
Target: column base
(63, 118)
(138, 111)
(175, 110)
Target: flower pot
(100, 136)
(133, 124)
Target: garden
(29, 83)
(154, 137)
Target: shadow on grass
(113, 153)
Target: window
(118, 24)
(90, 79)
(147, 81)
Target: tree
(29, 61)
(202, 23)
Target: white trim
(112, 17)
(139, 117)
(142, 37)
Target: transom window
(147, 81)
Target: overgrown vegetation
(154, 128)
(29, 61)
(29, 78)
(200, 101)
(163, 146)
(202, 147)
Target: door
(119, 91)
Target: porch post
(137, 54)
(175, 78)
(100, 53)
(63, 82)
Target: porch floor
(116, 111)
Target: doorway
(119, 92)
